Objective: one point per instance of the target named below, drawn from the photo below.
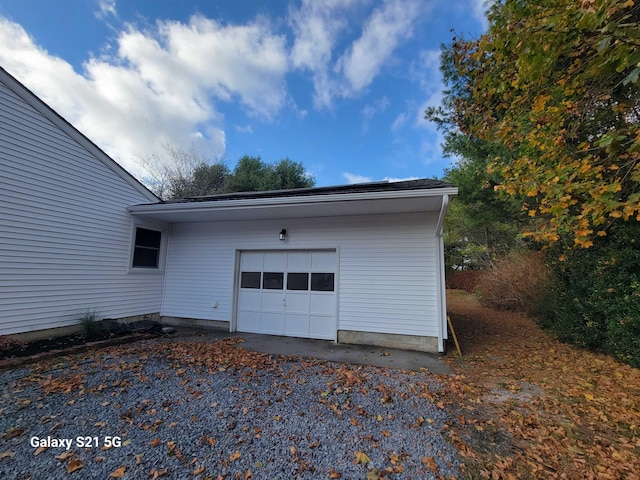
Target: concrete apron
(334, 352)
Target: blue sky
(339, 85)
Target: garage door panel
(275, 261)
(299, 261)
(321, 327)
(250, 300)
(249, 321)
(272, 302)
(297, 325)
(251, 261)
(297, 303)
(323, 261)
(272, 323)
(322, 304)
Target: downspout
(442, 293)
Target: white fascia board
(250, 203)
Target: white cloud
(372, 109)
(159, 87)
(317, 27)
(404, 179)
(355, 178)
(479, 7)
(105, 8)
(384, 30)
(399, 121)
(244, 129)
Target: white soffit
(369, 203)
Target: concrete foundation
(389, 340)
(195, 323)
(73, 329)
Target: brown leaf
(7, 454)
(334, 474)
(430, 463)
(234, 456)
(155, 442)
(386, 433)
(157, 473)
(362, 457)
(65, 455)
(248, 474)
(75, 464)
(39, 450)
(118, 472)
(199, 470)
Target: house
(353, 264)
(65, 233)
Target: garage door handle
(284, 301)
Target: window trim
(164, 233)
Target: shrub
(595, 295)
(90, 324)
(466, 280)
(516, 282)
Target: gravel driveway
(214, 410)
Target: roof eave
(287, 201)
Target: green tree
(251, 174)
(204, 180)
(183, 172)
(247, 176)
(287, 174)
(556, 82)
(482, 223)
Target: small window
(250, 280)
(146, 251)
(273, 280)
(297, 281)
(322, 282)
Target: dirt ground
(528, 406)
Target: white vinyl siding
(385, 280)
(65, 233)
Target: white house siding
(65, 233)
(386, 279)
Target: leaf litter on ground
(528, 406)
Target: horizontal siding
(65, 235)
(386, 268)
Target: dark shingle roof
(301, 192)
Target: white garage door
(290, 293)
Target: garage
(290, 293)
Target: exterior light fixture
(283, 234)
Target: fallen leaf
(235, 455)
(248, 475)
(362, 457)
(430, 463)
(65, 455)
(7, 454)
(39, 450)
(155, 442)
(334, 474)
(373, 474)
(75, 464)
(386, 433)
(157, 473)
(118, 472)
(199, 470)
